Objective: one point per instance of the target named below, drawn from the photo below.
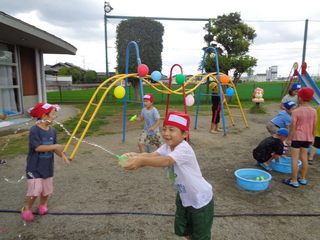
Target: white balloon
(189, 100)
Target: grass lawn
(19, 142)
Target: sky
(279, 25)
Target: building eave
(17, 32)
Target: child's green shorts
(195, 223)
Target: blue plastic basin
(246, 178)
(284, 165)
(317, 152)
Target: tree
(90, 76)
(232, 39)
(148, 34)
(49, 72)
(76, 73)
(63, 71)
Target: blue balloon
(156, 75)
(230, 92)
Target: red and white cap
(42, 108)
(149, 97)
(177, 119)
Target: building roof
(17, 32)
(56, 67)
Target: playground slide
(307, 81)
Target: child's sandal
(292, 184)
(302, 181)
(42, 209)
(27, 215)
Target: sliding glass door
(10, 87)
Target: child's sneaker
(42, 209)
(27, 215)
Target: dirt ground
(95, 199)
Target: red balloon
(143, 70)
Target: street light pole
(107, 9)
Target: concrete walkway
(66, 112)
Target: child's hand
(130, 154)
(65, 159)
(151, 129)
(133, 164)
(60, 147)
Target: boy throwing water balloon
(40, 161)
(194, 200)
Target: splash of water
(31, 175)
(10, 181)
(9, 136)
(34, 183)
(67, 132)
(82, 140)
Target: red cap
(177, 119)
(40, 109)
(149, 97)
(306, 93)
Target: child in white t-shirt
(194, 201)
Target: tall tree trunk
(136, 89)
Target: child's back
(305, 117)
(301, 136)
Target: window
(10, 90)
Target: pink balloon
(143, 70)
(189, 100)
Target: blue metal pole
(124, 129)
(219, 86)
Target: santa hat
(177, 119)
(42, 108)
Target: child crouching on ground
(194, 200)
(40, 160)
(283, 118)
(270, 148)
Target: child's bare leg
(312, 153)
(29, 202)
(304, 160)
(141, 147)
(211, 127)
(294, 164)
(267, 163)
(217, 128)
(43, 200)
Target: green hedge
(272, 91)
